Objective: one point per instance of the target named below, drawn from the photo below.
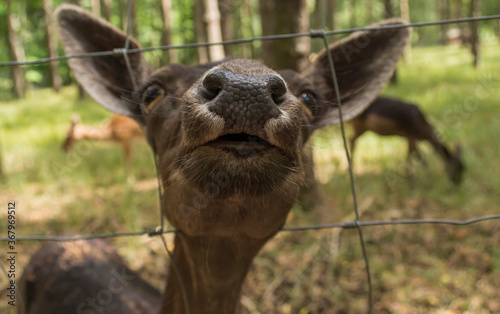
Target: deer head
(229, 139)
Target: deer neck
(213, 269)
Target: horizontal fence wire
(322, 33)
(344, 225)
(313, 34)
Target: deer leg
(414, 153)
(357, 134)
(127, 152)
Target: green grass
(415, 268)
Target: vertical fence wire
(349, 162)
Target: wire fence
(314, 33)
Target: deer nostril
(277, 89)
(212, 84)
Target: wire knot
(120, 51)
(316, 33)
(156, 231)
(351, 224)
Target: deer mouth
(241, 144)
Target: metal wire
(311, 34)
(322, 33)
(344, 225)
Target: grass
(415, 268)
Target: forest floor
(422, 268)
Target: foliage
(150, 24)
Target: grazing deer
(229, 139)
(386, 116)
(119, 129)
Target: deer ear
(105, 78)
(363, 61)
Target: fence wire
(314, 33)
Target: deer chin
(237, 164)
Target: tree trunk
(200, 27)
(389, 13)
(405, 15)
(285, 17)
(52, 46)
(167, 26)
(351, 5)
(459, 12)
(106, 8)
(214, 33)
(331, 9)
(124, 17)
(96, 7)
(16, 52)
(330, 14)
(81, 91)
(226, 8)
(122, 5)
(2, 173)
(498, 21)
(134, 24)
(246, 22)
(475, 11)
(369, 11)
(444, 14)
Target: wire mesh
(314, 33)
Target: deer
(388, 116)
(119, 129)
(229, 137)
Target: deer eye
(151, 96)
(310, 101)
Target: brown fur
(387, 116)
(228, 187)
(119, 129)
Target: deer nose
(245, 102)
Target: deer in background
(386, 116)
(119, 129)
(229, 138)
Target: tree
(200, 34)
(214, 33)
(123, 4)
(331, 8)
(405, 15)
(285, 17)
(81, 91)
(330, 13)
(51, 41)
(474, 41)
(246, 24)
(167, 29)
(226, 10)
(96, 7)
(106, 8)
(2, 174)
(16, 51)
(352, 12)
(444, 14)
(389, 13)
(389, 10)
(369, 11)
